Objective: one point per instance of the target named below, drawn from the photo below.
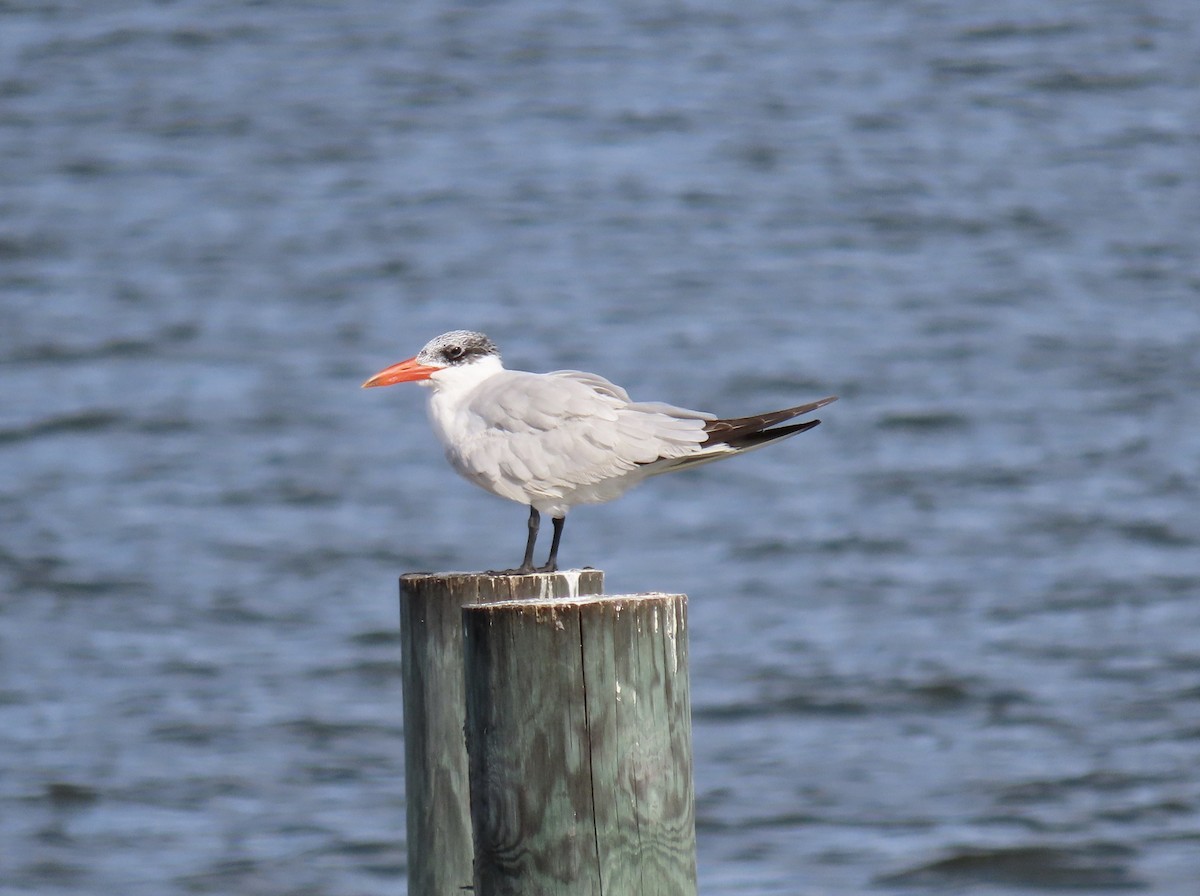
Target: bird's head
(454, 350)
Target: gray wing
(550, 434)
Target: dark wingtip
(762, 427)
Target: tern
(554, 440)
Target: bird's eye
(454, 352)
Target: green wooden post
(580, 747)
(435, 757)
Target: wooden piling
(579, 744)
(435, 760)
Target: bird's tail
(738, 434)
(744, 433)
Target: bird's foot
(523, 570)
(519, 571)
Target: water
(945, 642)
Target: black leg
(552, 562)
(535, 521)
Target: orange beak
(405, 372)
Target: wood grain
(440, 851)
(579, 744)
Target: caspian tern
(554, 440)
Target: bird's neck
(453, 383)
(452, 389)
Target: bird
(555, 440)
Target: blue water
(949, 641)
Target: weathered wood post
(435, 757)
(580, 747)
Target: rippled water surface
(949, 641)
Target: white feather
(553, 440)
